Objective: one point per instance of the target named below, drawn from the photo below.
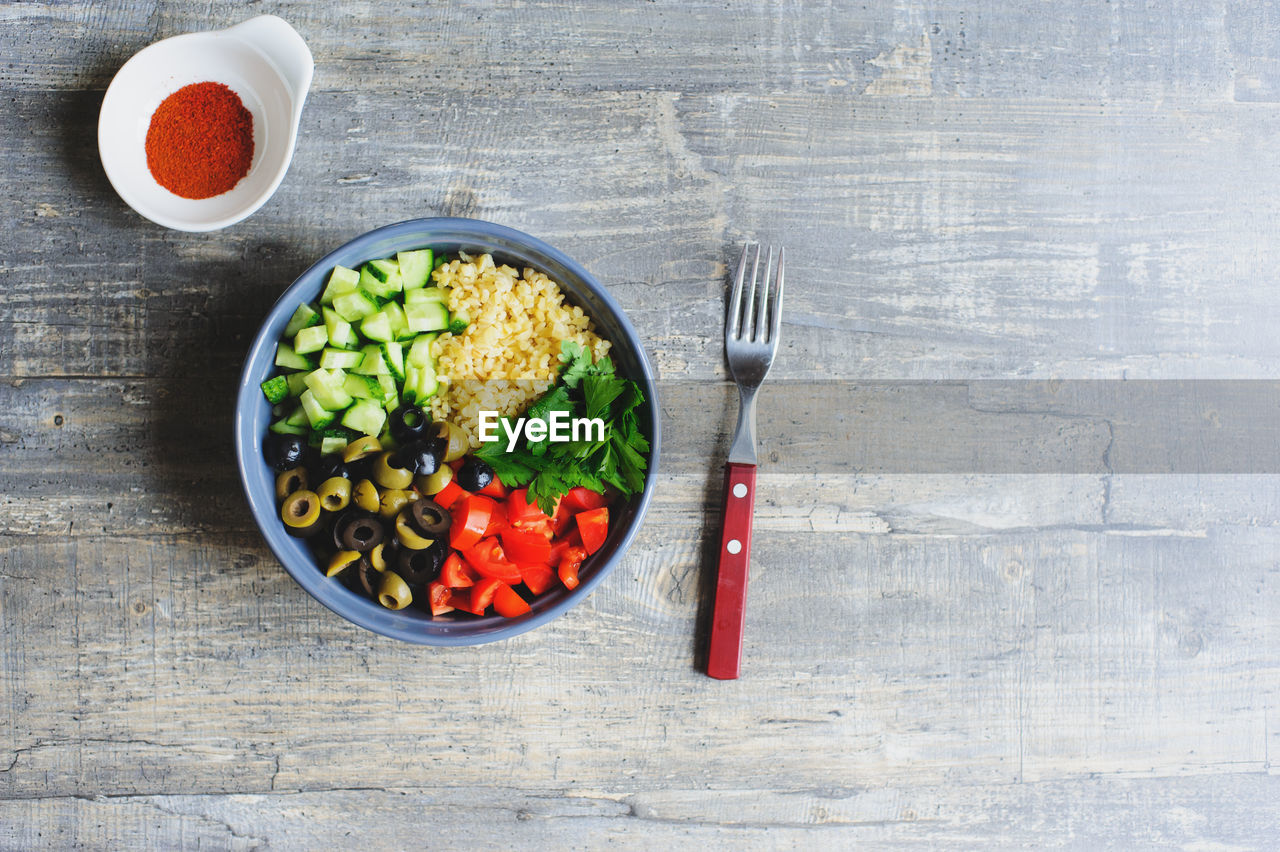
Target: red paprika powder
(200, 142)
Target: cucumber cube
(427, 294)
(395, 315)
(331, 444)
(298, 418)
(310, 339)
(317, 415)
(372, 365)
(393, 355)
(326, 387)
(415, 268)
(341, 334)
(303, 317)
(390, 393)
(341, 280)
(377, 327)
(362, 387)
(297, 383)
(284, 427)
(355, 305)
(340, 359)
(420, 351)
(427, 316)
(275, 389)
(365, 416)
(290, 360)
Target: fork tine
(761, 331)
(734, 324)
(748, 311)
(775, 323)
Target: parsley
(586, 389)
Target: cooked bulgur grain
(510, 352)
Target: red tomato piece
(470, 519)
(520, 510)
(569, 565)
(507, 602)
(525, 546)
(563, 519)
(482, 595)
(581, 499)
(494, 489)
(440, 597)
(537, 578)
(558, 548)
(593, 526)
(489, 561)
(449, 495)
(497, 521)
(456, 574)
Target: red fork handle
(725, 649)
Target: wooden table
(943, 654)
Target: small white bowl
(263, 60)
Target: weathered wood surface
(936, 654)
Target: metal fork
(750, 343)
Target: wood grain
(975, 620)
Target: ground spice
(200, 142)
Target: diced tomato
(497, 521)
(455, 464)
(507, 601)
(482, 595)
(440, 597)
(494, 489)
(449, 495)
(470, 519)
(489, 561)
(456, 574)
(581, 499)
(558, 547)
(593, 526)
(519, 509)
(537, 577)
(525, 546)
(563, 519)
(569, 565)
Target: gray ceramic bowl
(253, 416)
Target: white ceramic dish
(263, 60)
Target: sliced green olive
(394, 592)
(378, 557)
(408, 535)
(335, 493)
(436, 482)
(393, 500)
(341, 560)
(365, 495)
(361, 447)
(457, 439)
(388, 475)
(290, 481)
(300, 509)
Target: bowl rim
(409, 628)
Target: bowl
(263, 60)
(253, 415)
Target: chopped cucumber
(326, 386)
(341, 334)
(299, 417)
(372, 365)
(297, 383)
(365, 416)
(340, 359)
(458, 324)
(284, 427)
(290, 360)
(395, 316)
(317, 415)
(362, 387)
(355, 305)
(311, 339)
(377, 327)
(393, 355)
(275, 389)
(415, 268)
(303, 317)
(427, 294)
(427, 316)
(382, 278)
(420, 351)
(331, 444)
(341, 280)
(390, 393)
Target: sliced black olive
(283, 452)
(331, 466)
(424, 457)
(474, 474)
(418, 567)
(361, 533)
(409, 423)
(367, 578)
(430, 518)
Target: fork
(750, 344)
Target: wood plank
(1219, 810)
